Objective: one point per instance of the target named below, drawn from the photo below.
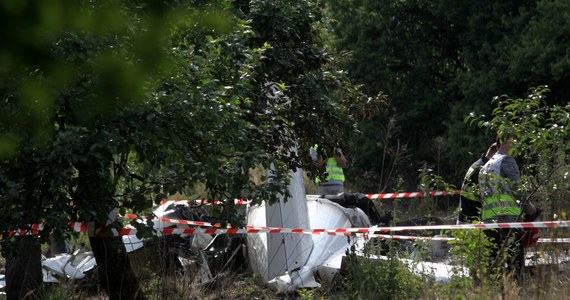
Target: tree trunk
(94, 193)
(116, 276)
(23, 268)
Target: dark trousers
(507, 253)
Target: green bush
(372, 278)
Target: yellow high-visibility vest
(496, 194)
(335, 172)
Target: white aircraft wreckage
(290, 261)
(64, 267)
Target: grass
(368, 279)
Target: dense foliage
(541, 145)
(438, 61)
(110, 103)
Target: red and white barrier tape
(545, 224)
(81, 227)
(446, 239)
(382, 236)
(78, 226)
(33, 229)
(553, 240)
(251, 230)
(358, 230)
(410, 195)
(411, 237)
(398, 237)
(370, 196)
(371, 232)
(177, 221)
(206, 202)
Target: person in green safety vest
(498, 181)
(333, 181)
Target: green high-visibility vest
(499, 205)
(496, 195)
(335, 172)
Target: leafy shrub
(373, 278)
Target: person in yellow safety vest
(333, 182)
(498, 180)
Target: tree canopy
(438, 61)
(157, 98)
(122, 103)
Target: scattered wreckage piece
(66, 266)
(63, 267)
(200, 256)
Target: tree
(438, 61)
(70, 75)
(404, 50)
(152, 101)
(542, 144)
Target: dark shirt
(470, 209)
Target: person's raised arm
(340, 159)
